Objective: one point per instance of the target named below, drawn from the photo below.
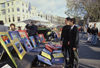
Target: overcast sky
(56, 7)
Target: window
(8, 4)
(18, 9)
(13, 19)
(23, 10)
(8, 10)
(12, 9)
(3, 11)
(12, 3)
(9, 19)
(3, 5)
(18, 18)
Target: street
(89, 55)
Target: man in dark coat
(32, 30)
(73, 40)
(65, 40)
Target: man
(32, 30)
(94, 35)
(65, 40)
(12, 27)
(89, 31)
(73, 40)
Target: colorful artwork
(33, 41)
(3, 36)
(58, 55)
(42, 39)
(18, 48)
(46, 55)
(5, 39)
(44, 60)
(27, 44)
(14, 35)
(23, 34)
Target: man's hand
(74, 49)
(68, 42)
(61, 42)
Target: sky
(54, 7)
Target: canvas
(58, 60)
(23, 34)
(14, 35)
(44, 60)
(58, 55)
(48, 52)
(42, 39)
(46, 55)
(6, 44)
(27, 44)
(33, 41)
(18, 48)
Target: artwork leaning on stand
(6, 42)
(18, 48)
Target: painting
(42, 38)
(27, 44)
(33, 41)
(5, 42)
(18, 48)
(44, 54)
(14, 35)
(23, 34)
(5, 37)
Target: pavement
(89, 55)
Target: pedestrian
(65, 40)
(94, 35)
(32, 30)
(19, 28)
(12, 27)
(73, 40)
(89, 31)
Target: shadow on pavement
(85, 66)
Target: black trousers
(68, 51)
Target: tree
(87, 8)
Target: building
(14, 11)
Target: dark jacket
(94, 31)
(74, 37)
(32, 29)
(65, 36)
(89, 30)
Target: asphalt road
(89, 55)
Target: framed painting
(42, 38)
(6, 38)
(33, 41)
(14, 35)
(18, 48)
(5, 42)
(23, 34)
(44, 60)
(44, 54)
(27, 44)
(58, 55)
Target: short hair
(12, 25)
(68, 18)
(73, 20)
